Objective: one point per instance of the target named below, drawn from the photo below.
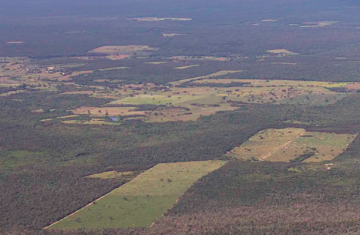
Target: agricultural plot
(141, 201)
(281, 51)
(111, 175)
(292, 144)
(187, 67)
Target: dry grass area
(156, 63)
(269, 20)
(318, 24)
(186, 67)
(122, 50)
(171, 34)
(292, 144)
(107, 111)
(141, 201)
(15, 42)
(281, 51)
(265, 143)
(323, 146)
(111, 175)
(217, 74)
(94, 121)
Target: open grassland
(111, 50)
(293, 144)
(187, 67)
(217, 74)
(281, 51)
(320, 145)
(116, 68)
(141, 201)
(107, 111)
(111, 175)
(318, 24)
(93, 121)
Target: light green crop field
(141, 201)
(283, 145)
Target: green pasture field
(141, 201)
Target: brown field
(291, 143)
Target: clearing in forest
(186, 67)
(111, 175)
(141, 201)
(281, 51)
(292, 144)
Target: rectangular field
(141, 201)
(293, 144)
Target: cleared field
(281, 51)
(141, 201)
(187, 67)
(320, 145)
(265, 143)
(107, 111)
(318, 24)
(155, 99)
(111, 175)
(171, 34)
(90, 122)
(116, 68)
(292, 144)
(110, 50)
(217, 74)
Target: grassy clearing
(155, 99)
(281, 51)
(187, 67)
(141, 201)
(116, 68)
(262, 145)
(293, 144)
(111, 175)
(217, 74)
(322, 146)
(110, 50)
(93, 121)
